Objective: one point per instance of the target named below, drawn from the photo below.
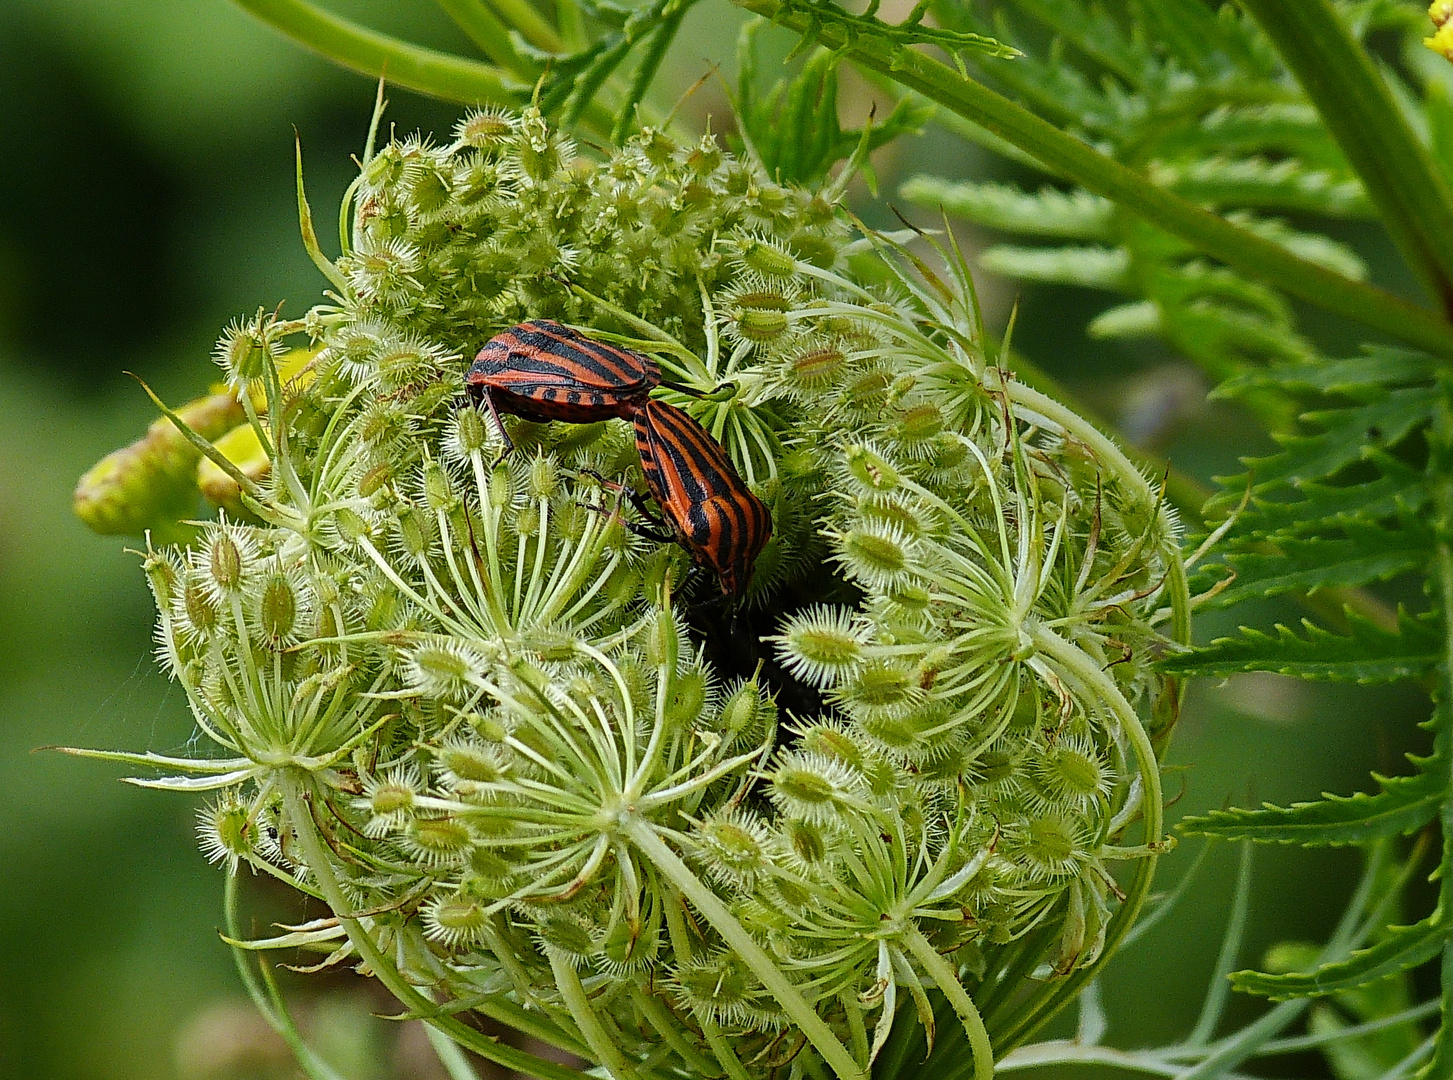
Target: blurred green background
(146, 198)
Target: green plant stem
(270, 1005)
(1415, 204)
(315, 853)
(1110, 455)
(942, 973)
(739, 941)
(483, 27)
(449, 1054)
(1064, 154)
(453, 78)
(572, 991)
(525, 18)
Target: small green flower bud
(761, 325)
(225, 561)
(441, 668)
(705, 158)
(455, 920)
(278, 609)
(745, 714)
(822, 644)
(806, 840)
(664, 638)
(488, 727)
(567, 936)
(627, 947)
(438, 491)
(813, 370)
(485, 129)
(870, 469)
(196, 609)
(470, 761)
(164, 576)
(439, 841)
(542, 481)
(414, 532)
(376, 480)
(733, 844)
(246, 348)
(877, 554)
(918, 425)
(767, 258)
(689, 696)
(527, 520)
(718, 989)
(881, 685)
(470, 434)
(867, 393)
(813, 787)
(227, 831)
(351, 526)
(488, 868)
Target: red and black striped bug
(542, 370)
(707, 507)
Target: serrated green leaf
(1284, 127)
(1404, 805)
(1266, 185)
(1137, 320)
(1306, 565)
(1347, 436)
(1400, 493)
(1367, 654)
(1074, 215)
(1403, 949)
(1378, 367)
(1314, 247)
(1090, 267)
(1093, 32)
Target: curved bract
(463, 705)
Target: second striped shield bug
(707, 507)
(542, 370)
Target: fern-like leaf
(1072, 215)
(1366, 556)
(1404, 805)
(1402, 949)
(1366, 654)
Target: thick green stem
(490, 33)
(320, 862)
(739, 941)
(1357, 107)
(524, 17)
(942, 973)
(1103, 175)
(572, 991)
(437, 74)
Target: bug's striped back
(711, 510)
(544, 362)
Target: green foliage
(792, 129)
(1207, 113)
(1401, 949)
(1404, 805)
(1173, 135)
(1368, 653)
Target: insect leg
(498, 423)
